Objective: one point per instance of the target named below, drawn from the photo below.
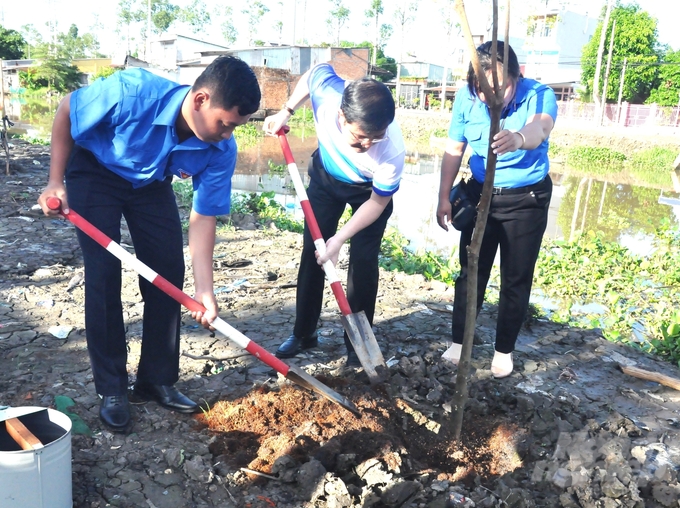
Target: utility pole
(623, 77)
(598, 65)
(606, 75)
(147, 55)
(294, 19)
(2, 86)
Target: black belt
(517, 190)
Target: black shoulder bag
(462, 209)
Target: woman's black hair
(484, 54)
(231, 82)
(369, 104)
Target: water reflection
(622, 213)
(32, 116)
(619, 212)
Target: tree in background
(667, 90)
(451, 26)
(381, 33)
(12, 44)
(104, 72)
(77, 46)
(163, 15)
(196, 16)
(255, 11)
(32, 38)
(635, 38)
(227, 27)
(55, 71)
(133, 17)
(278, 24)
(336, 19)
(128, 14)
(404, 15)
(385, 63)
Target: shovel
(290, 372)
(356, 324)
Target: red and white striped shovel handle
(167, 287)
(313, 226)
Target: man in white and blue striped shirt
(359, 162)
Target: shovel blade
(300, 377)
(366, 346)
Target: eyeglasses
(367, 141)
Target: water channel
(619, 212)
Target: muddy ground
(568, 428)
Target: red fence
(627, 115)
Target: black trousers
(328, 198)
(102, 197)
(516, 224)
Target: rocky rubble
(568, 428)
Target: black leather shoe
(167, 396)
(352, 359)
(294, 345)
(114, 411)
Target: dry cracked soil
(568, 428)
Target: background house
(9, 74)
(278, 68)
(169, 50)
(555, 39)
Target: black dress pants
(102, 197)
(328, 198)
(516, 223)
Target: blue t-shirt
(128, 122)
(382, 164)
(471, 123)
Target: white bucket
(36, 478)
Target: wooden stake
(648, 375)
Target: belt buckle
(497, 191)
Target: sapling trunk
(495, 103)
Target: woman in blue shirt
(521, 195)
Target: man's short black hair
(231, 82)
(369, 104)
(484, 54)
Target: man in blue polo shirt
(116, 145)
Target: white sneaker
(453, 353)
(501, 365)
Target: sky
(424, 38)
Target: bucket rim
(55, 416)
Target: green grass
(266, 209)
(395, 256)
(639, 294)
(248, 135)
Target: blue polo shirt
(471, 123)
(128, 122)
